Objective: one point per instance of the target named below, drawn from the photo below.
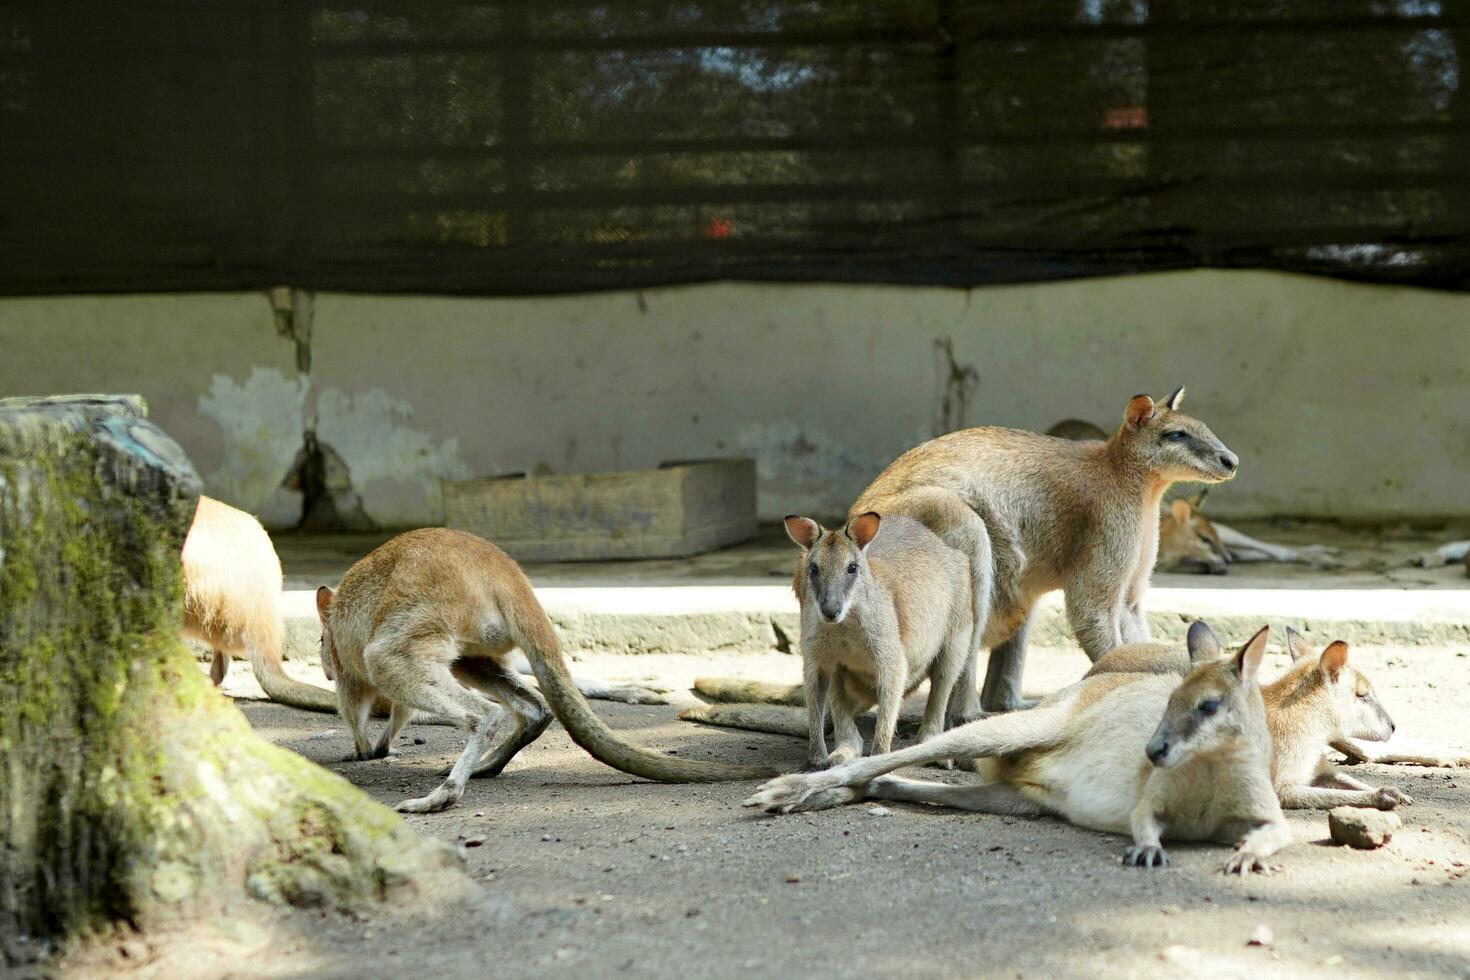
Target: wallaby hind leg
(946, 670)
(984, 798)
(422, 679)
(529, 714)
(845, 709)
(1038, 728)
(219, 667)
(1002, 691)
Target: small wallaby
(1321, 701)
(428, 621)
(1036, 513)
(232, 582)
(1147, 752)
(884, 604)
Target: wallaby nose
(1157, 749)
(1229, 460)
(829, 613)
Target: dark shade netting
(498, 148)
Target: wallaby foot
(219, 667)
(803, 792)
(442, 798)
(838, 756)
(1145, 856)
(1388, 797)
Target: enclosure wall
(1342, 399)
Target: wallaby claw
(1145, 856)
(1243, 863)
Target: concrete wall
(1343, 400)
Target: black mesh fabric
(504, 148)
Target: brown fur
(1037, 513)
(884, 604)
(1188, 542)
(232, 581)
(428, 621)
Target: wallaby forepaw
(1145, 856)
(1389, 797)
(841, 756)
(1243, 863)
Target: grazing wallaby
(884, 604)
(1036, 513)
(1148, 753)
(232, 581)
(427, 621)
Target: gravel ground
(586, 872)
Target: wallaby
(1036, 513)
(232, 582)
(884, 604)
(1445, 554)
(427, 621)
(1148, 753)
(1318, 702)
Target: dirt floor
(587, 872)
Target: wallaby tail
(264, 649)
(727, 690)
(533, 632)
(775, 719)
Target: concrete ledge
(759, 619)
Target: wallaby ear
(1198, 500)
(1248, 660)
(1140, 410)
(1297, 645)
(803, 530)
(1172, 402)
(1181, 511)
(1334, 659)
(1202, 643)
(864, 528)
(323, 601)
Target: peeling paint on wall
(396, 468)
(805, 470)
(260, 423)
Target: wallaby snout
(1158, 751)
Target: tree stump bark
(131, 790)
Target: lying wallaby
(1319, 702)
(1086, 754)
(427, 621)
(232, 582)
(1036, 513)
(1445, 554)
(884, 604)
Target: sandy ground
(587, 872)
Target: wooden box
(681, 508)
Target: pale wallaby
(1035, 513)
(427, 621)
(1445, 554)
(1148, 753)
(232, 583)
(1321, 701)
(884, 604)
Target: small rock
(1334, 960)
(1184, 956)
(474, 841)
(879, 811)
(793, 879)
(1363, 829)
(418, 740)
(1171, 910)
(545, 838)
(133, 949)
(1261, 935)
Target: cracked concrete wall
(1342, 399)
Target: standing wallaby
(232, 583)
(428, 621)
(1148, 753)
(1035, 513)
(884, 604)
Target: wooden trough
(681, 508)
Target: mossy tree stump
(130, 790)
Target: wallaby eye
(852, 568)
(1209, 706)
(1176, 435)
(813, 570)
(1362, 695)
